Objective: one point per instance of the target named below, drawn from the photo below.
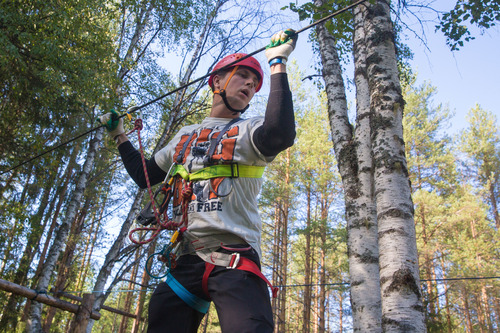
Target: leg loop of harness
(240, 263)
(197, 303)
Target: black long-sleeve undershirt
(131, 158)
(276, 134)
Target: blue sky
(462, 78)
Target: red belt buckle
(235, 259)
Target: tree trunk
(315, 300)
(276, 273)
(34, 323)
(341, 311)
(465, 302)
(354, 159)
(130, 295)
(402, 309)
(83, 315)
(86, 266)
(428, 268)
(60, 197)
(306, 317)
(363, 229)
(284, 243)
(65, 264)
(493, 201)
(322, 268)
(280, 262)
(142, 294)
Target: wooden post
(79, 325)
(43, 298)
(103, 307)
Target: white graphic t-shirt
(219, 206)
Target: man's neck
(219, 110)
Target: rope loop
(187, 192)
(138, 124)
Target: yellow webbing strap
(220, 170)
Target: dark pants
(241, 299)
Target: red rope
(138, 127)
(167, 224)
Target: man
(219, 256)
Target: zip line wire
(296, 285)
(137, 108)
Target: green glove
(113, 123)
(282, 44)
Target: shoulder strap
(215, 142)
(180, 157)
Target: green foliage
(481, 144)
(455, 24)
(455, 236)
(56, 62)
(340, 26)
(313, 173)
(428, 151)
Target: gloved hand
(113, 123)
(282, 44)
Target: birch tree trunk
(402, 309)
(34, 322)
(355, 166)
(363, 238)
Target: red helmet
(249, 62)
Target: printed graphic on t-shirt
(205, 192)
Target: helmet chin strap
(222, 93)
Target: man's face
(241, 86)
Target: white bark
(355, 165)
(34, 322)
(363, 238)
(402, 309)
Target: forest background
(65, 215)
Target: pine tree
(481, 144)
(431, 164)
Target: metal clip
(235, 167)
(235, 259)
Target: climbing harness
(205, 247)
